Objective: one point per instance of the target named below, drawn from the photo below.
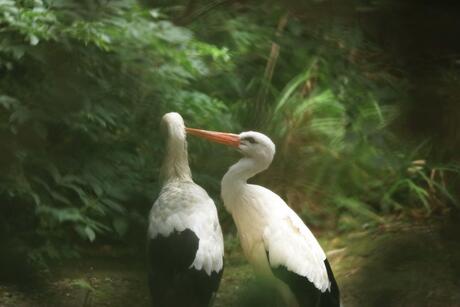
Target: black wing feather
(172, 282)
(333, 297)
(306, 293)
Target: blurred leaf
(358, 207)
(121, 226)
(82, 284)
(90, 234)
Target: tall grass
(337, 144)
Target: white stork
(274, 239)
(185, 246)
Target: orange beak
(228, 139)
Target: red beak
(228, 139)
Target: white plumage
(185, 245)
(185, 205)
(272, 235)
(182, 204)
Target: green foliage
(82, 90)
(333, 127)
(331, 105)
(83, 86)
(82, 284)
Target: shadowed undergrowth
(399, 265)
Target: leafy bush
(331, 101)
(333, 123)
(83, 86)
(82, 90)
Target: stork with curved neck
(274, 239)
(244, 169)
(184, 241)
(235, 180)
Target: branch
(190, 15)
(270, 67)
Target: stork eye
(250, 140)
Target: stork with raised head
(273, 237)
(185, 245)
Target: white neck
(236, 177)
(175, 164)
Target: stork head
(173, 125)
(256, 145)
(251, 144)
